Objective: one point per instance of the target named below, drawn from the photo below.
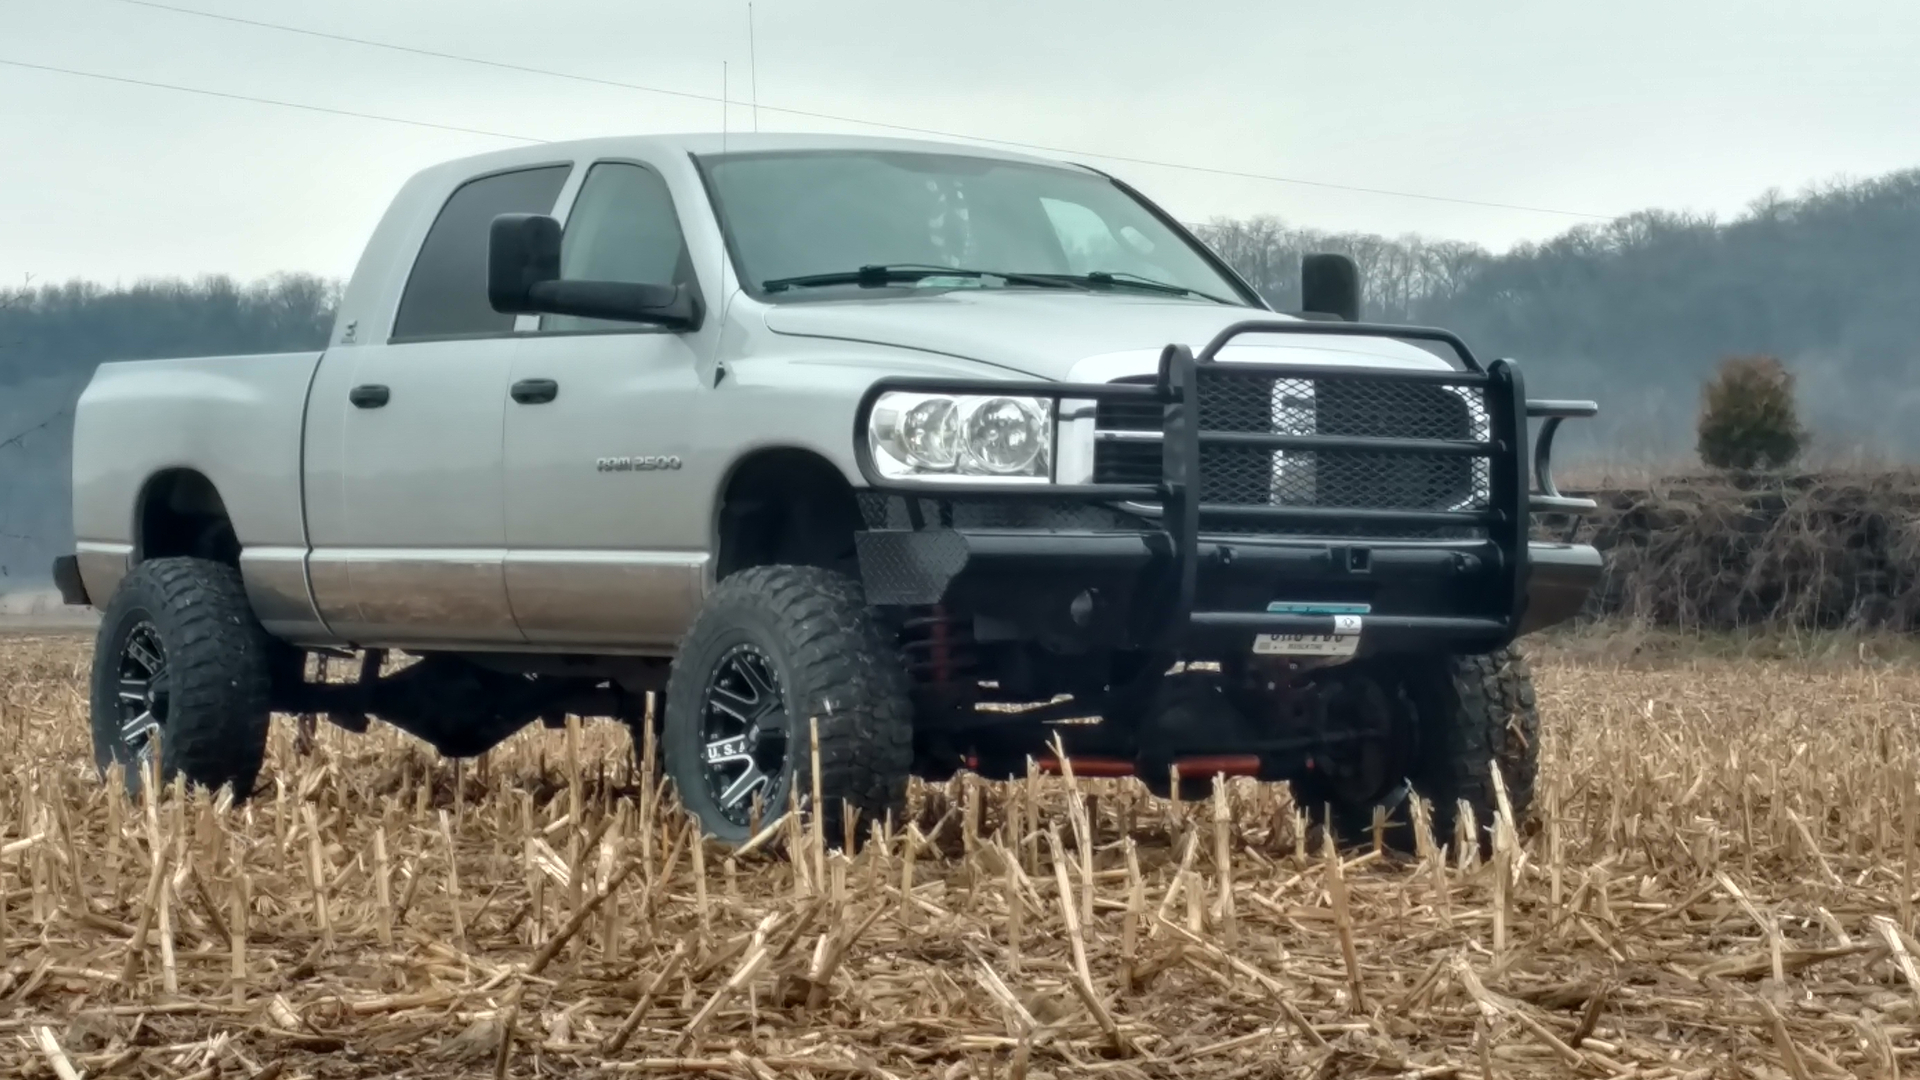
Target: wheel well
(180, 513)
(787, 507)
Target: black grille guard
(1507, 516)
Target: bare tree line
(1400, 274)
(51, 338)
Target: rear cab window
(446, 294)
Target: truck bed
(235, 419)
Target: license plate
(1344, 641)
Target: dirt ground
(1717, 881)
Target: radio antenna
(753, 69)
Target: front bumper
(1198, 573)
(1113, 588)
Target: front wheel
(1477, 713)
(182, 664)
(775, 650)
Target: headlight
(960, 438)
(929, 435)
(1005, 436)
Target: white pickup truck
(935, 447)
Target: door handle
(535, 391)
(369, 396)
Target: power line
(438, 55)
(268, 101)
(837, 118)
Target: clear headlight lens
(929, 435)
(1005, 435)
(959, 438)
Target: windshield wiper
(875, 276)
(1112, 279)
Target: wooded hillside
(1636, 312)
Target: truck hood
(1073, 336)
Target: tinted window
(447, 292)
(622, 228)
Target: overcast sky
(1590, 108)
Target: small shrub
(1747, 415)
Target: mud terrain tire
(210, 698)
(1475, 712)
(808, 632)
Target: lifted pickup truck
(945, 450)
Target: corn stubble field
(1717, 882)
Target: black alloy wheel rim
(142, 692)
(1372, 770)
(1361, 774)
(743, 732)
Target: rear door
(606, 541)
(414, 553)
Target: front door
(605, 542)
(409, 545)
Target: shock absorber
(940, 655)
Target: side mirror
(523, 250)
(523, 278)
(1330, 285)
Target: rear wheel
(1454, 719)
(1349, 781)
(182, 664)
(776, 649)
(1188, 708)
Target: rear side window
(446, 295)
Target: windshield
(795, 215)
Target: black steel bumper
(1197, 573)
(1418, 596)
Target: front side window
(622, 228)
(446, 295)
(791, 216)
